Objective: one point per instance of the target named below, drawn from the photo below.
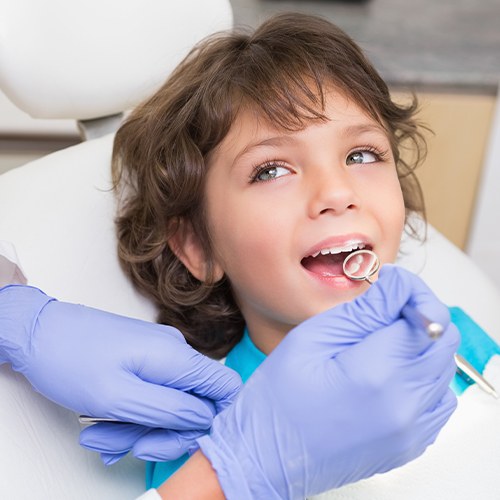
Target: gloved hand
(113, 441)
(351, 392)
(101, 364)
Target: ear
(188, 248)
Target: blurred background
(447, 52)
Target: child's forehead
(252, 117)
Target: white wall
(484, 236)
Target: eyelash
(380, 155)
(261, 167)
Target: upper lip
(338, 244)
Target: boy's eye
(362, 157)
(269, 172)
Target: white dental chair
(88, 61)
(91, 61)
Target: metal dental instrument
(87, 420)
(361, 265)
(464, 367)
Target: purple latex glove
(114, 441)
(101, 364)
(351, 392)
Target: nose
(332, 190)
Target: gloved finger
(106, 437)
(154, 405)
(432, 391)
(422, 305)
(111, 458)
(440, 414)
(381, 304)
(426, 430)
(427, 304)
(427, 394)
(165, 445)
(193, 372)
(409, 342)
(432, 421)
(394, 351)
(113, 441)
(437, 355)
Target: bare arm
(196, 479)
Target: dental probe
(361, 265)
(465, 367)
(88, 420)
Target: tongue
(325, 265)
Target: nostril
(351, 206)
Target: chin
(333, 303)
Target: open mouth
(328, 261)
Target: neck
(266, 336)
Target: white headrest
(93, 58)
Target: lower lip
(339, 282)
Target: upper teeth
(335, 250)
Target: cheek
(395, 205)
(254, 253)
(393, 222)
(400, 213)
(250, 241)
(242, 237)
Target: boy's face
(275, 199)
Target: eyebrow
(274, 141)
(279, 140)
(363, 128)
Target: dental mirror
(361, 265)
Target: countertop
(438, 44)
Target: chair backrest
(84, 60)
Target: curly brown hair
(283, 70)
